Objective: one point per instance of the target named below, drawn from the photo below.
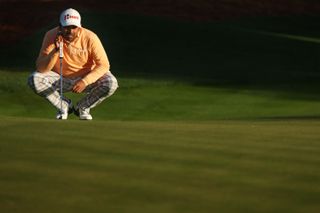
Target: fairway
(124, 166)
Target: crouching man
(85, 68)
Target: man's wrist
(85, 82)
(54, 52)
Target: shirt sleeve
(100, 59)
(47, 46)
(48, 42)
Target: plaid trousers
(47, 85)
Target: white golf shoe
(63, 114)
(84, 114)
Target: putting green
(126, 166)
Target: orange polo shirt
(84, 57)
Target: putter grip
(61, 49)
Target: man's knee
(31, 82)
(39, 83)
(110, 86)
(105, 86)
(114, 87)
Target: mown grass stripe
(176, 166)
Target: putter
(61, 76)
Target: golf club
(61, 76)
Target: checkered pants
(47, 85)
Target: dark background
(20, 18)
(203, 41)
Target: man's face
(69, 33)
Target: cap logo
(66, 17)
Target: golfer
(85, 68)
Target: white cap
(70, 17)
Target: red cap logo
(66, 17)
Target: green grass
(209, 117)
(151, 99)
(161, 146)
(126, 166)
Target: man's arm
(45, 63)
(48, 55)
(101, 60)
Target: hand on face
(69, 32)
(57, 40)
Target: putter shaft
(61, 76)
